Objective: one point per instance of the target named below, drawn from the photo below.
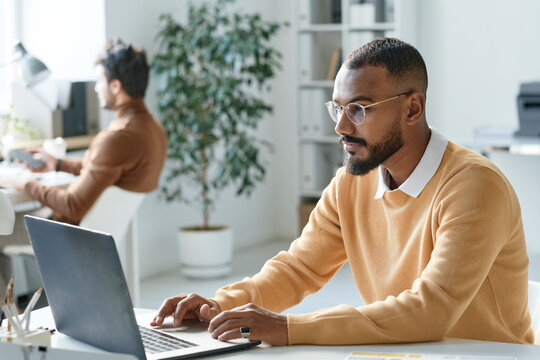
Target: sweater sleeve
(476, 214)
(108, 157)
(311, 261)
(71, 165)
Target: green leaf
(213, 72)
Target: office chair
(534, 309)
(7, 215)
(7, 222)
(114, 213)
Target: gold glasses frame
(336, 110)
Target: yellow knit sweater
(450, 263)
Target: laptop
(89, 299)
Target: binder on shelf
(335, 64)
(314, 120)
(317, 166)
(336, 11)
(389, 11)
(311, 173)
(305, 51)
(80, 117)
(304, 12)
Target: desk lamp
(32, 69)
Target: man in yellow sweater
(432, 231)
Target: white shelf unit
(325, 28)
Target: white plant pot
(206, 253)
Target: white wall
(477, 53)
(271, 210)
(7, 33)
(66, 34)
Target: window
(7, 37)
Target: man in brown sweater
(129, 154)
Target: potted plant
(213, 73)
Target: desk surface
(72, 142)
(53, 178)
(502, 139)
(42, 317)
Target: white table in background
(53, 178)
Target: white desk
(21, 202)
(449, 346)
(53, 178)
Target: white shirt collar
(424, 171)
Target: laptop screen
(85, 285)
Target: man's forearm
(69, 165)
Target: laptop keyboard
(157, 342)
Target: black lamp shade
(32, 70)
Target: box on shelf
(319, 12)
(369, 12)
(304, 210)
(362, 13)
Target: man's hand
(186, 306)
(50, 161)
(264, 325)
(14, 182)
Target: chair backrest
(534, 308)
(113, 212)
(7, 215)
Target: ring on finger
(245, 331)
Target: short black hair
(401, 60)
(127, 64)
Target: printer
(528, 102)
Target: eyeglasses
(355, 112)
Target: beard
(378, 153)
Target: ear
(115, 86)
(416, 106)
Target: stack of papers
(412, 356)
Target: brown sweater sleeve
(108, 155)
(71, 165)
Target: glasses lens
(355, 113)
(334, 111)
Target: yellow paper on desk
(357, 355)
